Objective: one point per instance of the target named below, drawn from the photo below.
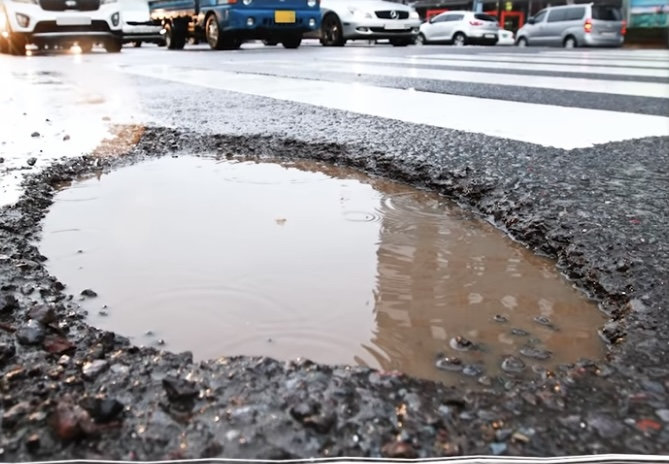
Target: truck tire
(293, 41)
(175, 37)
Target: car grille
(51, 26)
(64, 5)
(386, 14)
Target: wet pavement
(316, 262)
(597, 205)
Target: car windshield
(606, 13)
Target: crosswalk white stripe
(578, 69)
(632, 88)
(531, 58)
(612, 55)
(561, 127)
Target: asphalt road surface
(566, 150)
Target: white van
(60, 23)
(137, 25)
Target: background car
(137, 24)
(572, 26)
(460, 28)
(506, 37)
(345, 20)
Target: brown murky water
(301, 259)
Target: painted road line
(636, 89)
(529, 66)
(547, 125)
(627, 55)
(538, 58)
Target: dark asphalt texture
(70, 391)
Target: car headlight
(359, 13)
(312, 3)
(414, 15)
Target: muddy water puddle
(301, 259)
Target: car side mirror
(530, 21)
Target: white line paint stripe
(560, 127)
(614, 71)
(538, 58)
(637, 89)
(612, 56)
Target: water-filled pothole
(301, 259)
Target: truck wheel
(331, 32)
(114, 45)
(292, 41)
(175, 39)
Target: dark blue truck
(226, 24)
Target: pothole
(302, 259)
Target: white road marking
(637, 89)
(529, 66)
(652, 55)
(547, 125)
(540, 58)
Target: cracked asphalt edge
(70, 391)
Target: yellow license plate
(284, 17)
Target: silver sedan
(345, 20)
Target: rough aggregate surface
(70, 391)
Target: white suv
(460, 28)
(60, 22)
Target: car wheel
(421, 40)
(113, 46)
(86, 47)
(331, 32)
(17, 45)
(459, 39)
(570, 42)
(522, 42)
(137, 44)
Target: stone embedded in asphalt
(605, 426)
(42, 313)
(663, 414)
(91, 370)
(103, 410)
(33, 442)
(7, 352)
(35, 134)
(12, 415)
(88, 293)
(30, 333)
(58, 345)
(71, 422)
(31, 161)
(180, 389)
(8, 303)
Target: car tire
(331, 32)
(137, 44)
(114, 46)
(522, 42)
(4, 46)
(86, 47)
(421, 40)
(570, 42)
(459, 39)
(401, 42)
